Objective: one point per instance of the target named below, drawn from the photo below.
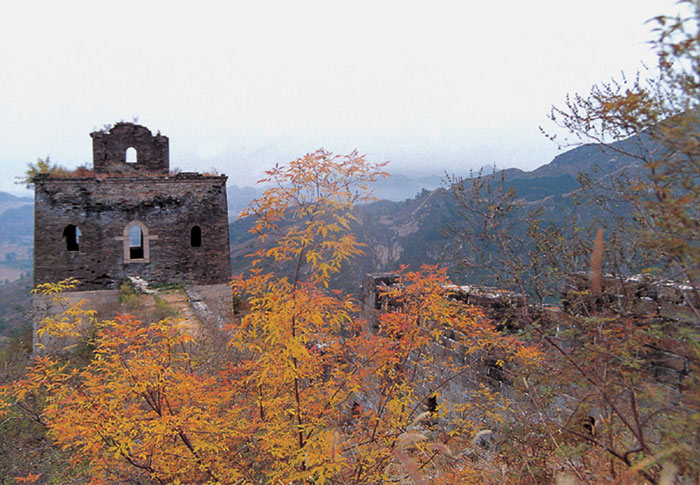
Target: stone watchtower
(129, 216)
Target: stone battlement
(111, 149)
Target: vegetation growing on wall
(307, 392)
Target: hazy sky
(238, 86)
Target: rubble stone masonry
(131, 219)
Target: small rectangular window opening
(196, 237)
(135, 243)
(72, 235)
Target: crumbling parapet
(109, 150)
(639, 295)
(373, 298)
(212, 304)
(503, 306)
(496, 304)
(436, 379)
(647, 299)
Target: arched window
(135, 242)
(72, 235)
(196, 237)
(131, 155)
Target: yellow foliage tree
(310, 393)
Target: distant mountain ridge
(16, 224)
(396, 187)
(8, 201)
(411, 232)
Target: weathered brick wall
(437, 376)
(104, 302)
(665, 301)
(634, 295)
(109, 149)
(102, 206)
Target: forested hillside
(420, 230)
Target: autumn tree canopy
(305, 391)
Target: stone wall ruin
(130, 218)
(111, 150)
(657, 300)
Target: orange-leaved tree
(307, 392)
(335, 400)
(138, 410)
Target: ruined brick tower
(129, 216)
